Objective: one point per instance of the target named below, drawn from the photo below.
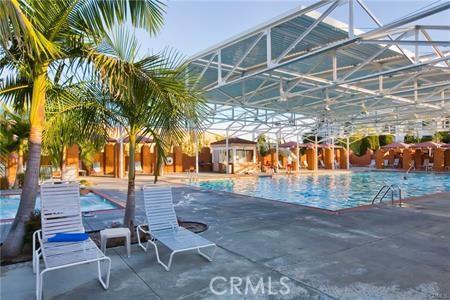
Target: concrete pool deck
(382, 252)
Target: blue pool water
(332, 192)
(90, 202)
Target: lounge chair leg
(167, 267)
(38, 284)
(139, 239)
(208, 257)
(108, 272)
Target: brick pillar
(72, 159)
(117, 160)
(379, 158)
(98, 157)
(343, 158)
(205, 156)
(109, 159)
(11, 168)
(328, 158)
(447, 158)
(406, 158)
(438, 163)
(178, 159)
(418, 158)
(146, 159)
(311, 159)
(391, 156)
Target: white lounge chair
(163, 227)
(427, 165)
(386, 163)
(321, 163)
(372, 164)
(305, 164)
(337, 165)
(138, 166)
(61, 213)
(396, 163)
(96, 167)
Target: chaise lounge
(61, 213)
(163, 227)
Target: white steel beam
(307, 31)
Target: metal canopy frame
(305, 72)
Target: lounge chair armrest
(139, 228)
(37, 237)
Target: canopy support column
(227, 158)
(196, 150)
(276, 151)
(332, 154)
(297, 153)
(121, 158)
(348, 153)
(316, 154)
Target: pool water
(89, 202)
(332, 192)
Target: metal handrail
(386, 189)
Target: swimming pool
(331, 192)
(89, 202)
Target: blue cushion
(69, 237)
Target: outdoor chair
(163, 227)
(321, 163)
(373, 164)
(138, 166)
(61, 213)
(386, 163)
(396, 163)
(337, 165)
(427, 165)
(97, 168)
(305, 164)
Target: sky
(193, 26)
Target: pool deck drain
(383, 252)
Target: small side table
(110, 233)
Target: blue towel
(69, 237)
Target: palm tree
(147, 96)
(14, 130)
(69, 122)
(36, 38)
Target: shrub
(33, 224)
(386, 139)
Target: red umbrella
(444, 145)
(396, 145)
(427, 145)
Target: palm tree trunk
(19, 164)
(130, 209)
(14, 241)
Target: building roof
(305, 71)
(234, 141)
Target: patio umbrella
(396, 145)
(427, 145)
(290, 145)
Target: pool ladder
(385, 189)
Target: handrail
(386, 189)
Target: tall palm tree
(14, 131)
(147, 96)
(36, 37)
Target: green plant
(386, 140)
(85, 182)
(410, 139)
(40, 38)
(20, 177)
(31, 225)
